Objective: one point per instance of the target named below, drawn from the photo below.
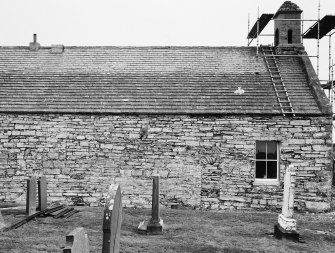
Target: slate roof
(288, 6)
(159, 80)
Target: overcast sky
(148, 23)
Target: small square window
(267, 160)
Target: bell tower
(287, 32)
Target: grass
(185, 231)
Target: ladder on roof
(277, 81)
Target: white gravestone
(285, 219)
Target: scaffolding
(321, 27)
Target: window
(267, 160)
(289, 36)
(277, 37)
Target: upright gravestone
(112, 221)
(31, 196)
(42, 193)
(2, 222)
(76, 242)
(155, 224)
(286, 226)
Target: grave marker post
(77, 241)
(112, 221)
(2, 221)
(31, 196)
(286, 226)
(42, 193)
(155, 224)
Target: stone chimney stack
(34, 46)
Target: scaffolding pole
(302, 28)
(330, 54)
(248, 28)
(257, 30)
(318, 43)
(302, 38)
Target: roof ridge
(130, 47)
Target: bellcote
(287, 25)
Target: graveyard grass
(186, 230)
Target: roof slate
(288, 6)
(159, 80)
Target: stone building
(208, 119)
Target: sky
(150, 23)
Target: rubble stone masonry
(206, 162)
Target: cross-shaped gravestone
(42, 193)
(286, 226)
(31, 196)
(112, 221)
(76, 242)
(155, 224)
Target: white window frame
(268, 181)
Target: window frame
(274, 181)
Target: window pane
(272, 150)
(260, 149)
(272, 170)
(260, 169)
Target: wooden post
(76, 242)
(42, 193)
(112, 222)
(31, 196)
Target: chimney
(34, 46)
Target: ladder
(277, 81)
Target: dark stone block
(281, 233)
(155, 228)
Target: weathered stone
(42, 193)
(317, 206)
(287, 223)
(155, 224)
(2, 222)
(112, 220)
(77, 241)
(286, 226)
(185, 177)
(31, 196)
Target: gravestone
(31, 196)
(76, 242)
(155, 224)
(2, 221)
(112, 221)
(42, 193)
(286, 226)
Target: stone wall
(206, 162)
(284, 26)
